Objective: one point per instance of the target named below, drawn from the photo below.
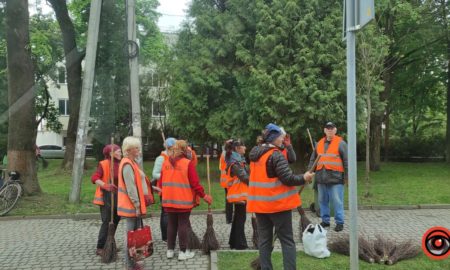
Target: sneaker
(188, 254)
(339, 227)
(170, 253)
(324, 224)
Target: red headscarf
(110, 148)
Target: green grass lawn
(242, 260)
(395, 184)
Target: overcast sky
(173, 13)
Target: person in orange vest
(102, 197)
(272, 196)
(156, 175)
(331, 174)
(180, 185)
(237, 174)
(223, 184)
(134, 194)
(286, 148)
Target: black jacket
(277, 165)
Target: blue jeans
(335, 195)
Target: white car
(52, 151)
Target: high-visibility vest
(285, 153)
(176, 189)
(330, 160)
(269, 195)
(237, 190)
(98, 197)
(125, 208)
(166, 157)
(223, 171)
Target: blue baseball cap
(170, 142)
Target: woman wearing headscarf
(237, 174)
(102, 178)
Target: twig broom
(209, 239)
(109, 253)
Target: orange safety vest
(330, 160)
(269, 195)
(176, 189)
(166, 157)
(98, 197)
(125, 208)
(285, 153)
(237, 190)
(223, 171)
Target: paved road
(70, 244)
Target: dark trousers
(237, 234)
(228, 209)
(282, 221)
(105, 213)
(163, 222)
(178, 224)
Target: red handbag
(140, 242)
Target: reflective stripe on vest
(98, 197)
(237, 190)
(330, 160)
(269, 195)
(125, 207)
(176, 189)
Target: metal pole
(134, 71)
(85, 102)
(351, 128)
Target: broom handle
(310, 140)
(207, 176)
(111, 176)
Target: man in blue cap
(272, 196)
(156, 175)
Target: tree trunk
(22, 127)
(73, 70)
(448, 101)
(386, 137)
(375, 142)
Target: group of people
(266, 188)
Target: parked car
(89, 150)
(52, 151)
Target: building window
(61, 75)
(158, 109)
(64, 107)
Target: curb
(84, 216)
(213, 260)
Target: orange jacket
(237, 190)
(269, 195)
(330, 160)
(125, 207)
(176, 189)
(98, 197)
(223, 171)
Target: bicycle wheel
(9, 197)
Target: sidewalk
(70, 244)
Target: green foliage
(241, 65)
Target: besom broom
(209, 239)
(109, 253)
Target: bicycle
(10, 192)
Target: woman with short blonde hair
(130, 143)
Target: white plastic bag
(315, 241)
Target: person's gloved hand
(287, 140)
(208, 199)
(148, 200)
(109, 187)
